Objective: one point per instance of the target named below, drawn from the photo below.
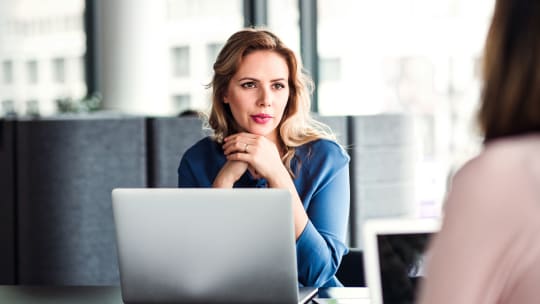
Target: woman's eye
(279, 86)
(248, 84)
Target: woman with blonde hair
(488, 249)
(264, 136)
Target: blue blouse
(322, 183)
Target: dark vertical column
(7, 202)
(255, 13)
(353, 215)
(90, 56)
(168, 138)
(308, 44)
(66, 170)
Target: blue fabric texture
(322, 180)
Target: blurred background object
(154, 57)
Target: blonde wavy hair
(297, 127)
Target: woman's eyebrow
(248, 78)
(258, 80)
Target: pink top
(488, 249)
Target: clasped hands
(247, 151)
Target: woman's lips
(261, 118)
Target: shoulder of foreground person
(490, 221)
(509, 162)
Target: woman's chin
(261, 131)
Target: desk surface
(17, 294)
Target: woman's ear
(225, 98)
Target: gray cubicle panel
(66, 170)
(339, 126)
(7, 202)
(384, 152)
(168, 139)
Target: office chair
(351, 269)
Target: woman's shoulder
(201, 147)
(328, 145)
(514, 147)
(502, 182)
(508, 163)
(511, 154)
(324, 148)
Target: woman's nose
(265, 98)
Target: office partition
(7, 202)
(66, 169)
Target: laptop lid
(394, 253)
(205, 245)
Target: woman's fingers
(259, 152)
(240, 143)
(230, 173)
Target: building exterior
(42, 47)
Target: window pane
(214, 21)
(329, 69)
(34, 34)
(8, 108)
(59, 70)
(212, 51)
(32, 107)
(32, 71)
(284, 20)
(7, 72)
(180, 59)
(182, 103)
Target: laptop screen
(205, 245)
(395, 252)
(401, 259)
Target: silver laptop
(206, 245)
(394, 257)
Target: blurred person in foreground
(488, 249)
(264, 137)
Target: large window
(418, 57)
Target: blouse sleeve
(186, 176)
(321, 245)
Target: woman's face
(258, 93)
